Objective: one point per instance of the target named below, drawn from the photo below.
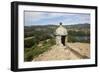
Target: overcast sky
(44, 18)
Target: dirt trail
(62, 53)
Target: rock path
(58, 53)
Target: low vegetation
(79, 36)
(37, 49)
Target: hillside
(38, 39)
(44, 27)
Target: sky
(54, 18)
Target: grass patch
(35, 50)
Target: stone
(61, 35)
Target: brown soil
(72, 51)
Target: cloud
(42, 18)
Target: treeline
(79, 36)
(32, 30)
(79, 33)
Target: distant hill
(78, 26)
(43, 27)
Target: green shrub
(28, 56)
(28, 43)
(74, 39)
(78, 33)
(35, 50)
